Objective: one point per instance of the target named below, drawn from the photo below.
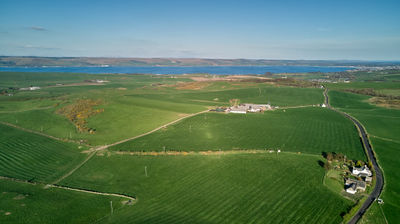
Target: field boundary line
(91, 191)
(385, 139)
(67, 188)
(383, 213)
(207, 153)
(17, 180)
(40, 133)
(18, 111)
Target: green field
(383, 126)
(33, 157)
(308, 130)
(233, 188)
(27, 203)
(133, 104)
(243, 184)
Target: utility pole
(145, 170)
(112, 210)
(190, 128)
(41, 128)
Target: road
(378, 172)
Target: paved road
(379, 177)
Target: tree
(321, 163)
(327, 166)
(329, 156)
(340, 156)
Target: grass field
(234, 188)
(383, 126)
(33, 157)
(308, 130)
(133, 104)
(261, 93)
(27, 203)
(245, 186)
(374, 215)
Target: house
(352, 186)
(362, 171)
(351, 189)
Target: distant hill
(30, 61)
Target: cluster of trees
(332, 156)
(340, 157)
(78, 112)
(8, 90)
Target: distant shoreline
(32, 61)
(180, 70)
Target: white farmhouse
(361, 171)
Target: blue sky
(348, 29)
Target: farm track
(77, 167)
(67, 188)
(371, 156)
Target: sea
(167, 70)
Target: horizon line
(205, 58)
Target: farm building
(352, 186)
(31, 88)
(238, 110)
(247, 107)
